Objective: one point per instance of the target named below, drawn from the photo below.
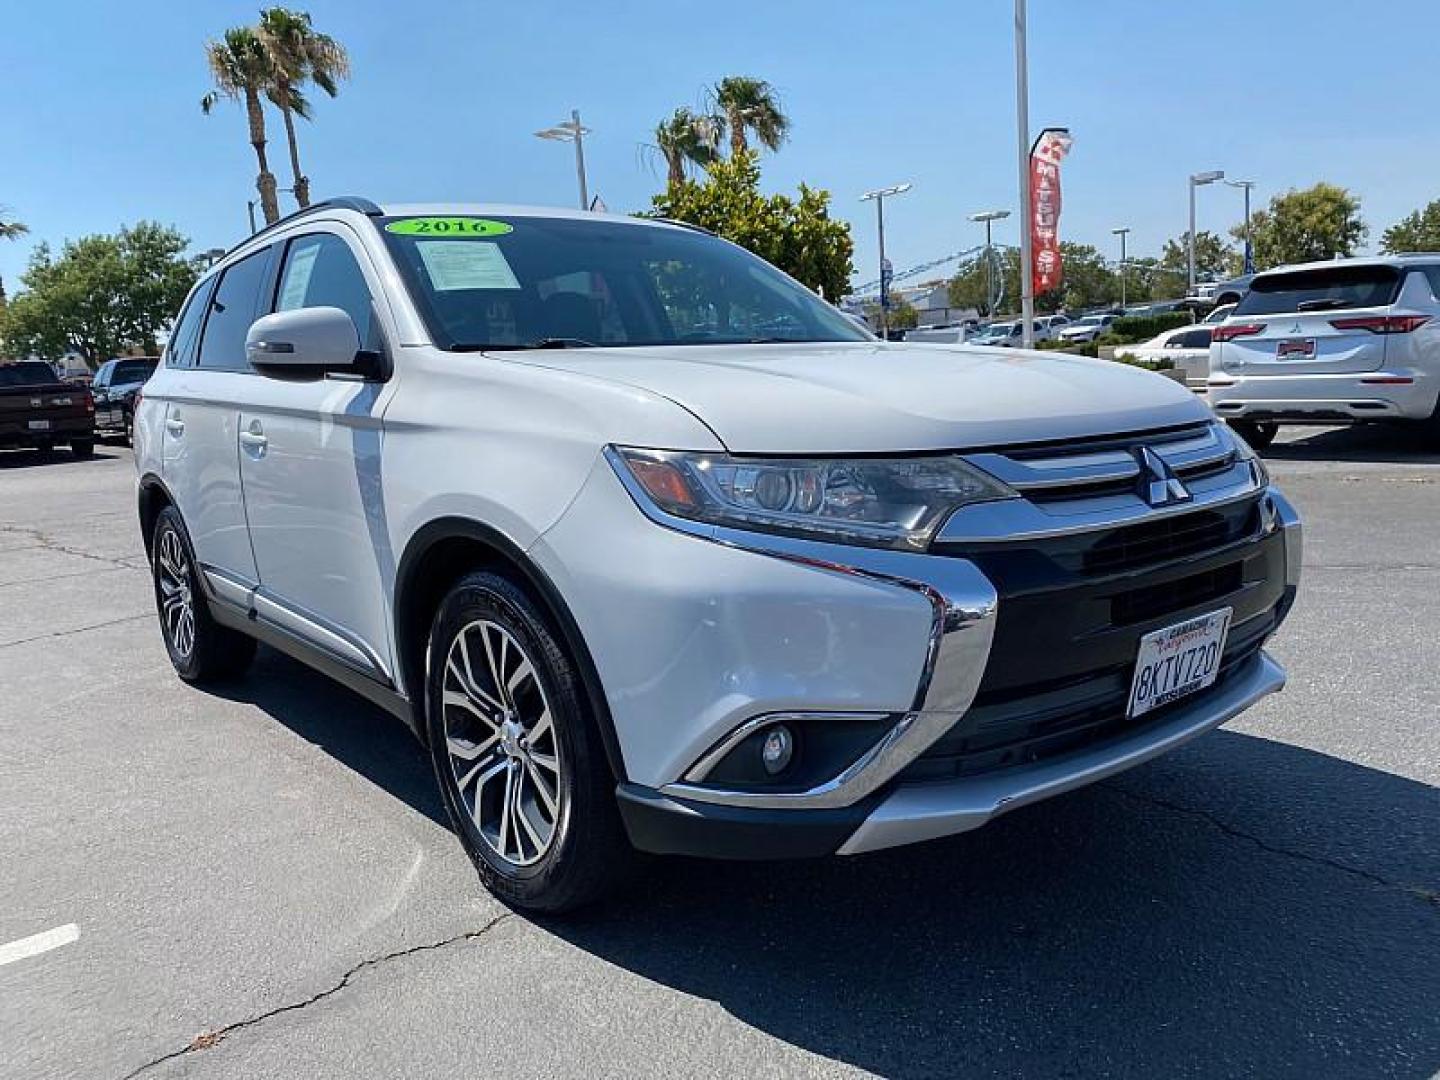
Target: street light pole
(988, 216)
(1122, 233)
(1246, 185)
(1022, 137)
(1197, 180)
(879, 196)
(572, 131)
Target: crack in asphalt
(207, 1039)
(49, 543)
(78, 629)
(1421, 893)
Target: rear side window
(1194, 339)
(1321, 290)
(1433, 274)
(186, 335)
(27, 373)
(132, 371)
(232, 310)
(321, 271)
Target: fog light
(776, 750)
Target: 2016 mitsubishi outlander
(656, 550)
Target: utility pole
(572, 131)
(1197, 180)
(878, 196)
(989, 216)
(1022, 137)
(1246, 185)
(1122, 233)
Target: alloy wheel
(501, 743)
(177, 607)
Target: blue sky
(99, 108)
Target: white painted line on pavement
(36, 944)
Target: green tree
(751, 105)
(1088, 281)
(10, 229)
(798, 236)
(242, 71)
(685, 139)
(1213, 258)
(903, 315)
(1419, 231)
(1320, 222)
(297, 55)
(969, 288)
(101, 296)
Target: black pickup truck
(37, 409)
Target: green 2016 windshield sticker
(448, 226)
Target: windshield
(549, 282)
(1321, 290)
(27, 373)
(1090, 320)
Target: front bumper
(1410, 394)
(698, 632)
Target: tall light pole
(1249, 251)
(988, 216)
(879, 196)
(1022, 139)
(1198, 180)
(1122, 233)
(572, 131)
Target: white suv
(655, 549)
(1320, 343)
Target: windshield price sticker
(448, 226)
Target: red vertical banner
(1047, 269)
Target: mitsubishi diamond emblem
(1159, 486)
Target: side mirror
(306, 343)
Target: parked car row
(38, 410)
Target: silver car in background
(1346, 341)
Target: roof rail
(339, 202)
(685, 225)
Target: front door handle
(254, 439)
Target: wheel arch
(152, 497)
(437, 555)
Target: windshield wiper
(541, 343)
(1324, 303)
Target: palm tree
(751, 105)
(241, 69)
(299, 55)
(11, 230)
(687, 139)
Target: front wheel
(517, 750)
(1258, 433)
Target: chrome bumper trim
(924, 811)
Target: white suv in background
(655, 549)
(1320, 343)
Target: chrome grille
(1098, 484)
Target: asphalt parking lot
(261, 884)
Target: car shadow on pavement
(24, 459)
(359, 735)
(1380, 443)
(1239, 907)
(1288, 925)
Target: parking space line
(36, 944)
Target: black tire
(45, 446)
(206, 652)
(586, 853)
(1258, 433)
(82, 448)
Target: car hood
(870, 397)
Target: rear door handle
(175, 427)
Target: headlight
(878, 502)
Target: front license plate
(39, 425)
(1178, 660)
